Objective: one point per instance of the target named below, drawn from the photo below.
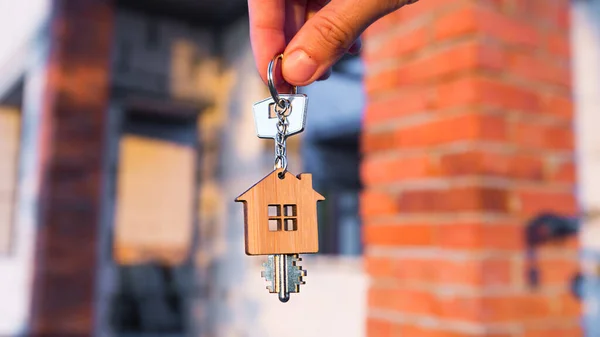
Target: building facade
(126, 133)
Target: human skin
(311, 34)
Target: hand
(312, 34)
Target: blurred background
(459, 155)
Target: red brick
(379, 328)
(570, 306)
(421, 331)
(399, 45)
(402, 299)
(557, 105)
(452, 129)
(554, 15)
(476, 19)
(534, 201)
(73, 108)
(466, 56)
(558, 45)
(413, 301)
(377, 203)
(415, 271)
(519, 308)
(399, 235)
(573, 331)
(564, 172)
(480, 236)
(379, 298)
(557, 271)
(460, 22)
(461, 307)
(454, 199)
(378, 170)
(405, 102)
(381, 82)
(486, 91)
(508, 30)
(420, 9)
(378, 266)
(377, 141)
(538, 69)
(378, 27)
(475, 273)
(488, 163)
(531, 135)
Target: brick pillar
(467, 134)
(72, 148)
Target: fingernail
(298, 67)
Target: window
(10, 123)
(155, 192)
(156, 188)
(286, 221)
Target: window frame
(281, 217)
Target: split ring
(280, 102)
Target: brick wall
(467, 133)
(72, 145)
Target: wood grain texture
(290, 190)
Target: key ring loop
(280, 102)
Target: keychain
(280, 211)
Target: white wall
(586, 70)
(16, 269)
(586, 65)
(19, 23)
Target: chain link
(281, 137)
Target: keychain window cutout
(289, 210)
(273, 113)
(287, 222)
(274, 210)
(274, 225)
(290, 224)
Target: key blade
(269, 274)
(295, 273)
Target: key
(283, 274)
(280, 213)
(265, 115)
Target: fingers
(313, 6)
(325, 76)
(267, 33)
(327, 35)
(356, 47)
(295, 16)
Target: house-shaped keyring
(280, 213)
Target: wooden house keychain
(280, 211)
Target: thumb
(326, 37)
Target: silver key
(283, 274)
(265, 116)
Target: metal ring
(281, 109)
(280, 102)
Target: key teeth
(295, 273)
